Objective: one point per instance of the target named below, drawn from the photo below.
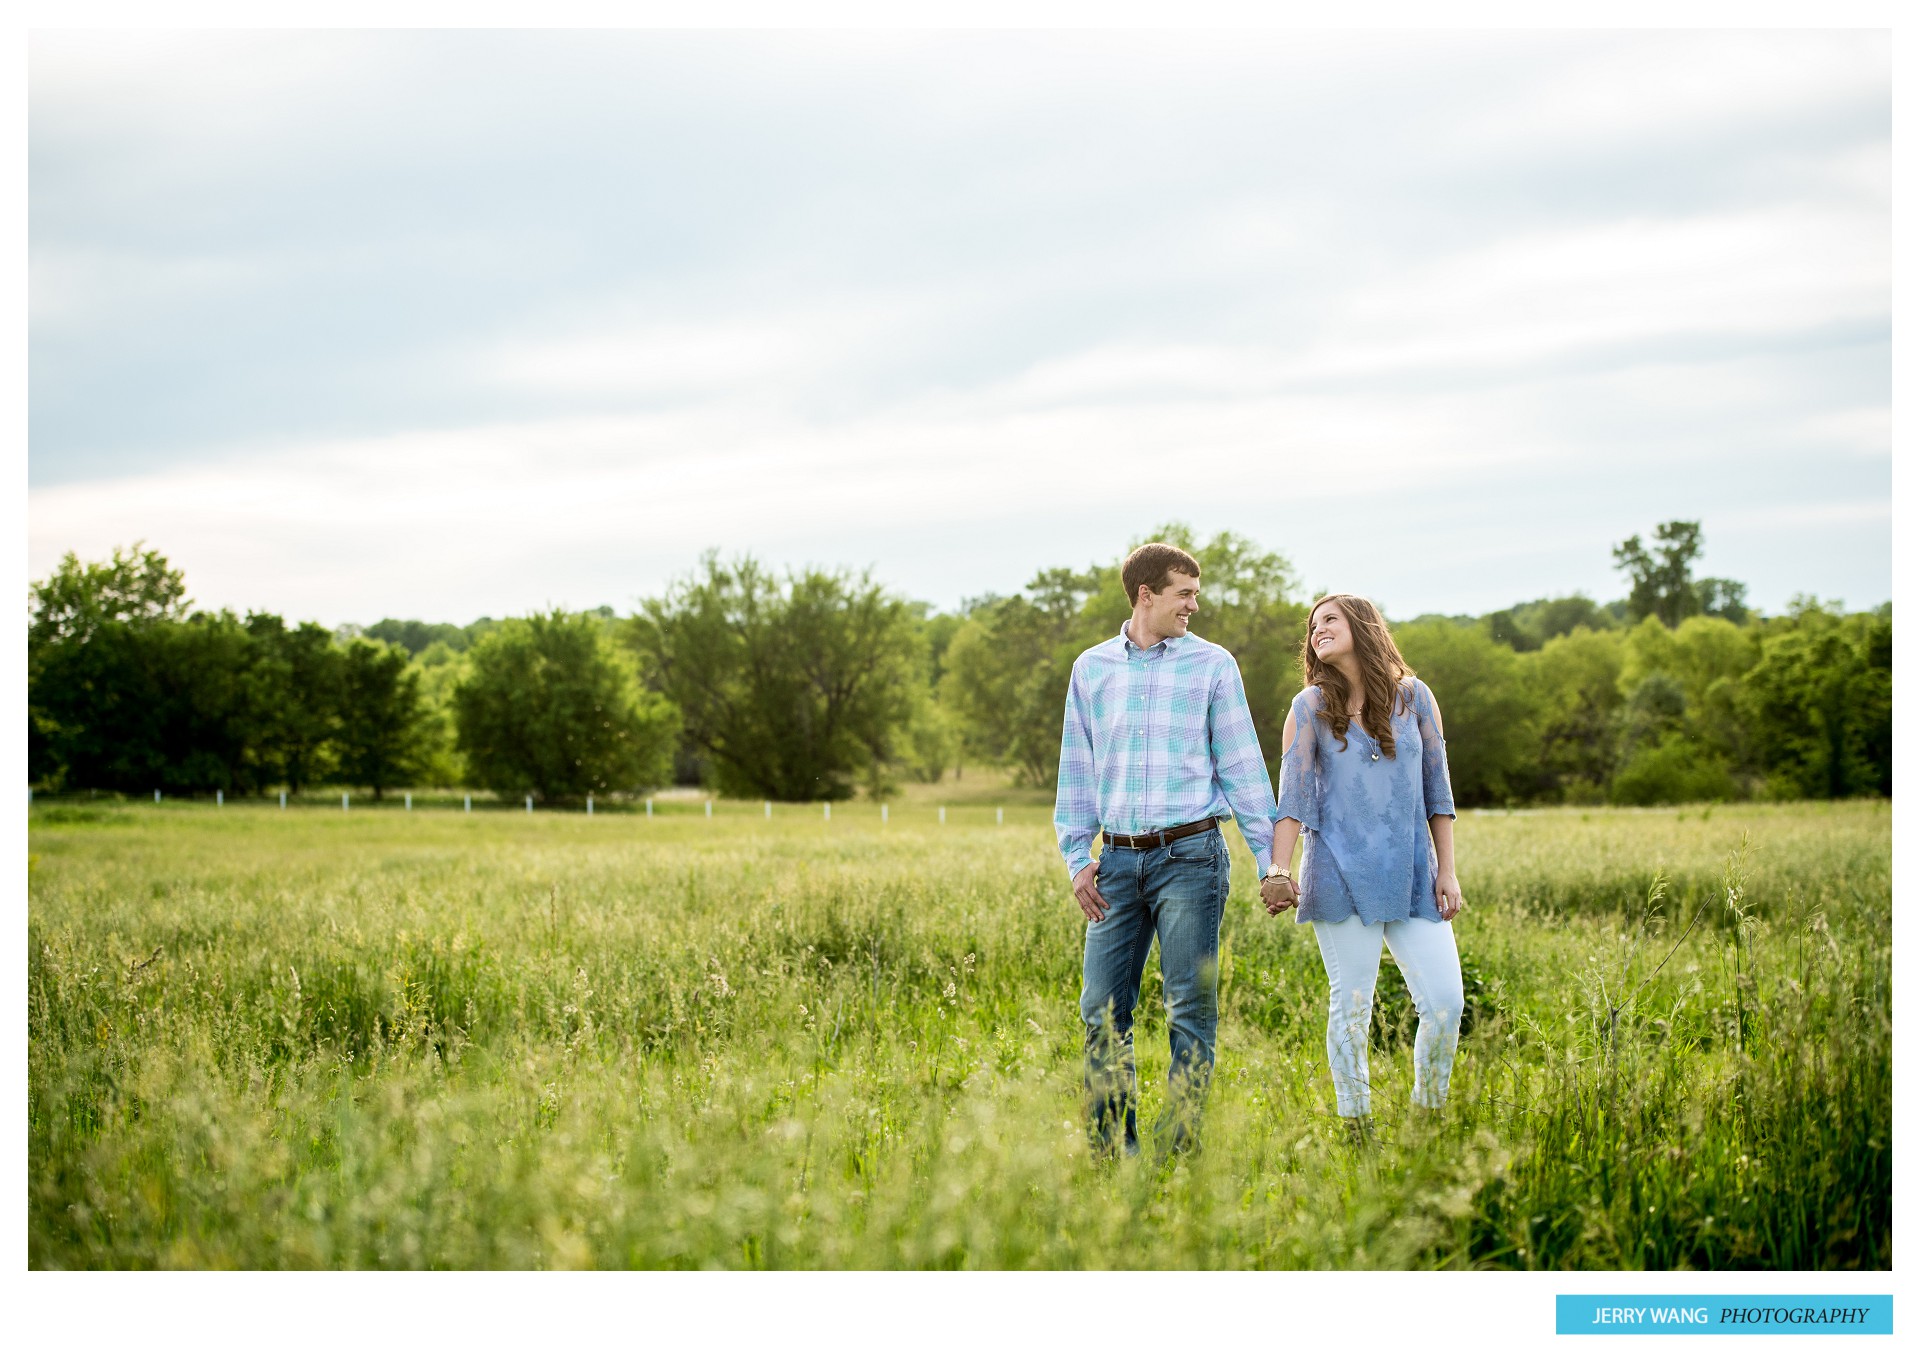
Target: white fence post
(156, 795)
(766, 809)
(589, 804)
(343, 802)
(649, 809)
(828, 806)
(999, 816)
(283, 799)
(883, 813)
(709, 809)
(409, 801)
(943, 816)
(529, 804)
(469, 797)
(219, 797)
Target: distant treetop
(136, 586)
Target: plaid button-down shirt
(1157, 737)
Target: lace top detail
(1364, 814)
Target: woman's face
(1329, 634)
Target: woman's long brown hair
(1382, 668)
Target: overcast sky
(438, 325)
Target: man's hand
(1278, 893)
(1088, 894)
(1446, 895)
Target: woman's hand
(1446, 894)
(1278, 893)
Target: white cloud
(904, 299)
(1630, 87)
(706, 359)
(1524, 300)
(70, 289)
(496, 518)
(746, 356)
(1865, 431)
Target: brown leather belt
(1159, 838)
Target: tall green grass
(385, 1039)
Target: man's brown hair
(1149, 565)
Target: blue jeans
(1177, 893)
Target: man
(1158, 746)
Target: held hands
(1278, 893)
(1446, 894)
(1088, 894)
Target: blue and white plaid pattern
(1156, 737)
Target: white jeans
(1430, 963)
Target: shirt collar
(1128, 645)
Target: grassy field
(430, 1039)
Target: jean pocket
(1201, 848)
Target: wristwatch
(1277, 871)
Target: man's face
(1167, 610)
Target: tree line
(816, 685)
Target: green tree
(134, 589)
(383, 736)
(1706, 657)
(551, 706)
(1722, 598)
(1487, 706)
(1007, 669)
(297, 702)
(796, 691)
(441, 669)
(136, 586)
(1654, 711)
(932, 743)
(1576, 682)
(1663, 577)
(1820, 703)
(417, 636)
(210, 697)
(1671, 768)
(1663, 755)
(144, 705)
(95, 708)
(1530, 625)
(937, 630)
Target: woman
(1364, 773)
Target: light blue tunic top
(1364, 813)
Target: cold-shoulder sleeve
(1299, 777)
(1435, 780)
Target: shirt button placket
(1137, 764)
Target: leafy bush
(1672, 769)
